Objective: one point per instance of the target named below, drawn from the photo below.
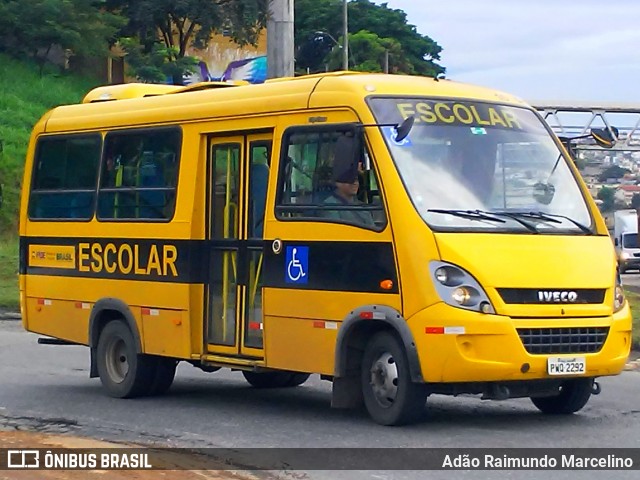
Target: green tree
(367, 52)
(608, 197)
(318, 26)
(156, 64)
(613, 171)
(34, 27)
(170, 27)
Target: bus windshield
(474, 165)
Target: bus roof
(127, 91)
(145, 104)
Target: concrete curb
(10, 316)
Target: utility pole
(345, 36)
(386, 61)
(280, 57)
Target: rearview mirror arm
(402, 129)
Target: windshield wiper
(551, 217)
(484, 215)
(516, 216)
(471, 214)
(548, 217)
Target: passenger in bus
(132, 155)
(151, 174)
(346, 184)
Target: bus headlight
(462, 295)
(618, 296)
(458, 288)
(624, 256)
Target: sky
(539, 50)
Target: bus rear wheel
(275, 379)
(123, 372)
(391, 398)
(573, 396)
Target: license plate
(566, 366)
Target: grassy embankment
(8, 274)
(634, 301)
(24, 97)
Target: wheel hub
(384, 379)
(117, 362)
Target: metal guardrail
(576, 118)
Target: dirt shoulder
(177, 464)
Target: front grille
(563, 340)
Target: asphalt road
(632, 278)
(46, 389)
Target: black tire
(391, 398)
(275, 379)
(573, 396)
(123, 372)
(165, 372)
(297, 379)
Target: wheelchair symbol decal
(391, 134)
(297, 265)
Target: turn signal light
(386, 284)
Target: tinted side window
(139, 175)
(317, 182)
(65, 177)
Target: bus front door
(237, 190)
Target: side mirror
(615, 242)
(403, 128)
(605, 137)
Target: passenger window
(226, 173)
(65, 177)
(317, 182)
(259, 155)
(139, 175)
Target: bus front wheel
(123, 372)
(275, 379)
(574, 394)
(391, 398)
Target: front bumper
(474, 347)
(629, 263)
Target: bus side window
(139, 174)
(318, 182)
(65, 177)
(298, 175)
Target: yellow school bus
(400, 236)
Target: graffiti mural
(252, 70)
(224, 60)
